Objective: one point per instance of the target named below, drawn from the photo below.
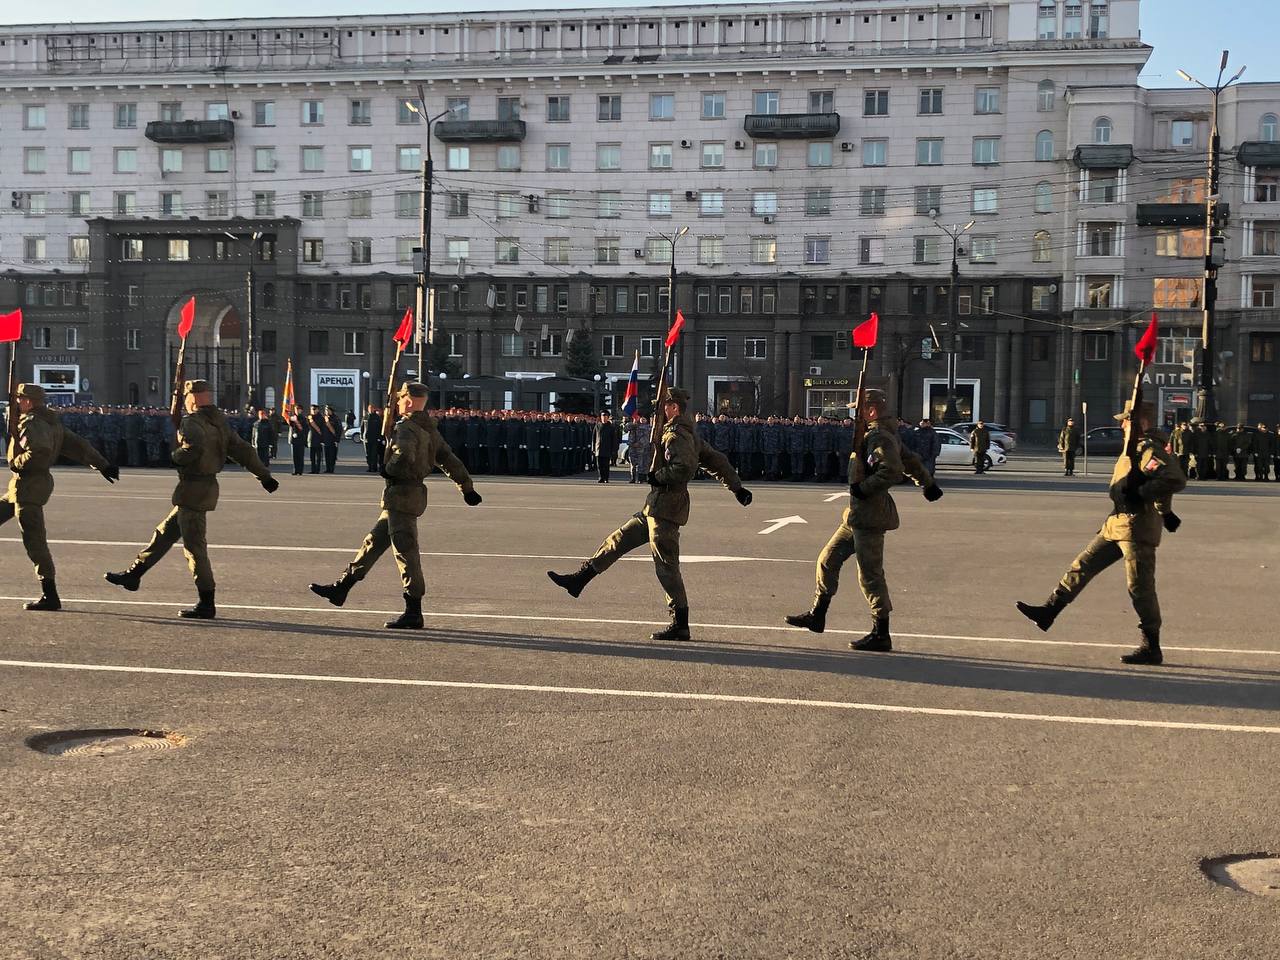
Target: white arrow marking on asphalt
(834, 496)
(782, 522)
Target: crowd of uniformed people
(1216, 451)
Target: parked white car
(956, 453)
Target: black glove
(855, 491)
(1171, 521)
(933, 493)
(656, 484)
(744, 496)
(471, 498)
(110, 473)
(270, 483)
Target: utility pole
(423, 265)
(671, 285)
(1215, 246)
(250, 333)
(952, 414)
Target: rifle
(859, 421)
(179, 376)
(389, 414)
(659, 413)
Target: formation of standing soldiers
(1217, 452)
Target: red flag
(11, 327)
(405, 331)
(674, 333)
(864, 334)
(188, 318)
(1146, 348)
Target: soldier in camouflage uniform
(415, 450)
(40, 440)
(640, 450)
(798, 444)
(205, 443)
(1142, 489)
(874, 469)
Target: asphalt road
(532, 777)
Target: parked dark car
(1104, 441)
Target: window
(408, 158)
(132, 297)
(317, 341)
(126, 116)
(985, 199)
(1103, 187)
(642, 300)
(406, 112)
(724, 299)
(33, 117)
(353, 343)
(264, 203)
(986, 151)
(609, 107)
(557, 156)
(755, 348)
(458, 158)
(608, 156)
(508, 108)
(78, 159)
(650, 347)
(457, 341)
(557, 250)
(131, 248)
(1269, 128)
(1264, 240)
(1182, 133)
(78, 116)
(1263, 295)
(766, 102)
(768, 300)
(987, 100)
(611, 345)
(171, 160)
(822, 346)
(716, 348)
(457, 248)
(820, 154)
(361, 250)
(506, 250)
(1045, 96)
(662, 106)
(1099, 239)
(928, 250)
(133, 338)
(607, 250)
(871, 201)
(659, 156)
(1044, 197)
(1072, 22)
(312, 159)
(312, 112)
(33, 160)
(264, 159)
(746, 300)
(264, 113)
(1098, 293)
(217, 160)
(822, 101)
(764, 203)
(928, 201)
(766, 156)
(126, 160)
(711, 203)
(764, 249)
(360, 113)
(179, 250)
(557, 109)
(929, 152)
(817, 249)
(78, 248)
(457, 204)
(79, 203)
(512, 345)
(982, 249)
(659, 203)
(508, 157)
(713, 106)
(1041, 247)
(1189, 242)
(930, 101)
(406, 204)
(1102, 130)
(312, 251)
(875, 103)
(817, 202)
(459, 109)
(1044, 145)
(171, 204)
(359, 204)
(608, 204)
(712, 154)
(1047, 21)
(219, 110)
(35, 204)
(875, 153)
(702, 299)
(1043, 299)
(1098, 20)
(1095, 346)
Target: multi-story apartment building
(812, 149)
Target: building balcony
(1177, 214)
(1103, 156)
(1259, 153)
(791, 126)
(480, 131)
(191, 131)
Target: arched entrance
(215, 349)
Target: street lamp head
(681, 232)
(933, 213)
(1225, 54)
(229, 235)
(412, 107)
(968, 226)
(1187, 77)
(1239, 74)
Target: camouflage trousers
(867, 547)
(663, 538)
(34, 538)
(1139, 571)
(399, 531)
(191, 528)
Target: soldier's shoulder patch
(1152, 465)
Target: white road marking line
(750, 627)
(781, 522)
(653, 695)
(833, 497)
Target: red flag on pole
(864, 334)
(187, 318)
(674, 333)
(1146, 348)
(11, 327)
(405, 331)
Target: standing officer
(1142, 489)
(665, 511)
(1180, 445)
(929, 445)
(1068, 441)
(41, 439)
(874, 469)
(640, 451)
(771, 438)
(416, 449)
(330, 436)
(604, 446)
(264, 437)
(1225, 451)
(205, 442)
(824, 442)
(979, 443)
(798, 444)
(1263, 448)
(371, 435)
(315, 437)
(299, 438)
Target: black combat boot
(48, 597)
(1148, 651)
(815, 619)
(1044, 616)
(574, 582)
(877, 641)
(679, 628)
(130, 579)
(336, 592)
(204, 610)
(411, 619)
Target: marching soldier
(1068, 441)
(205, 443)
(41, 439)
(979, 443)
(264, 437)
(416, 449)
(658, 523)
(874, 469)
(1142, 489)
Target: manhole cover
(104, 743)
(1256, 873)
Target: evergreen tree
(579, 360)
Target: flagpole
(13, 387)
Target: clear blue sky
(1185, 33)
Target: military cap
(677, 396)
(1146, 409)
(871, 395)
(197, 386)
(413, 389)
(32, 392)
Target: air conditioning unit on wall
(815, 371)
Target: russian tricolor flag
(629, 400)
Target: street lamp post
(1214, 245)
(250, 323)
(952, 414)
(424, 232)
(672, 239)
